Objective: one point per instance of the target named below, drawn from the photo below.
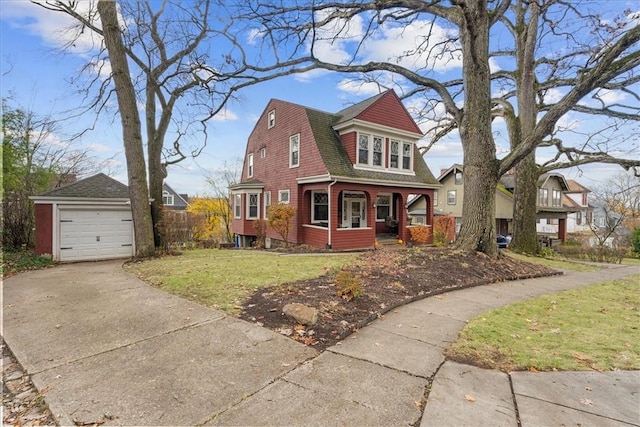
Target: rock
(14, 376)
(301, 313)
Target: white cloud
(609, 97)
(225, 115)
(97, 147)
(359, 88)
(553, 95)
(55, 28)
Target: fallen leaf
(586, 402)
(469, 398)
(581, 356)
(588, 388)
(532, 369)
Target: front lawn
(14, 262)
(591, 328)
(221, 278)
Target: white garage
(85, 221)
(95, 233)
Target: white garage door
(92, 234)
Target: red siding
(44, 229)
(349, 142)
(390, 111)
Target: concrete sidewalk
(106, 347)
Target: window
(406, 156)
(263, 153)
(458, 178)
(267, 203)
(435, 198)
(271, 119)
(556, 196)
(252, 205)
(237, 206)
(283, 196)
(383, 207)
(363, 149)
(250, 166)
(294, 151)
(578, 218)
(393, 154)
(552, 221)
(585, 200)
(400, 155)
(377, 151)
(451, 197)
(543, 197)
(370, 150)
(167, 198)
(320, 206)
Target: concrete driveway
(106, 347)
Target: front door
(354, 212)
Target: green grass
(596, 327)
(19, 261)
(553, 263)
(224, 278)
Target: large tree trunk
(480, 164)
(156, 171)
(131, 129)
(525, 238)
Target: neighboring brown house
(349, 174)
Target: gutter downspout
(330, 214)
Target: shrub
(175, 228)
(349, 286)
(593, 254)
(445, 227)
(420, 234)
(280, 218)
(547, 253)
(260, 226)
(635, 241)
(439, 239)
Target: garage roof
(99, 186)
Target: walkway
(105, 347)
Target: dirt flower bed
(377, 282)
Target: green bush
(18, 261)
(547, 253)
(635, 241)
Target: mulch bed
(388, 279)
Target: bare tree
(309, 29)
(131, 130)
(220, 181)
(616, 210)
(186, 63)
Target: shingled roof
(337, 160)
(98, 186)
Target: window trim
(400, 161)
(455, 197)
(237, 206)
(250, 166)
(371, 138)
(435, 197)
(266, 201)
(168, 196)
(291, 140)
(390, 195)
(543, 201)
(249, 205)
(313, 205)
(457, 178)
(288, 193)
(271, 119)
(263, 152)
(556, 202)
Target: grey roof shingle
(98, 186)
(337, 160)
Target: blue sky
(36, 73)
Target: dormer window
(370, 150)
(271, 119)
(458, 178)
(167, 198)
(400, 153)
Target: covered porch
(348, 215)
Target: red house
(349, 174)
